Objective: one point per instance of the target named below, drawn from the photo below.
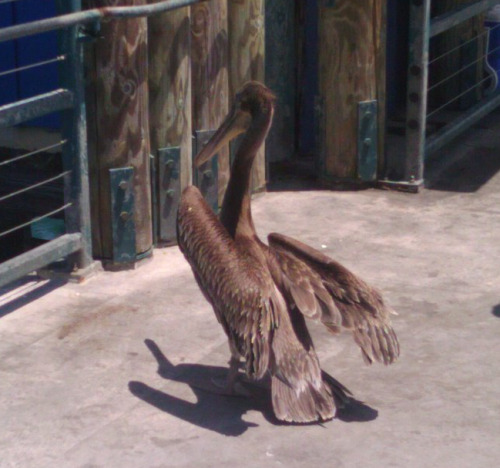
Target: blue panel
(8, 83)
(35, 49)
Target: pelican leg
(232, 375)
(231, 385)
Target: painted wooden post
(351, 70)
(246, 59)
(170, 85)
(209, 55)
(121, 129)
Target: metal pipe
(32, 153)
(38, 257)
(33, 65)
(35, 220)
(448, 20)
(455, 128)
(416, 108)
(89, 16)
(34, 186)
(31, 108)
(74, 130)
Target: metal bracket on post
(169, 192)
(206, 177)
(367, 141)
(122, 215)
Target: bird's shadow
(217, 412)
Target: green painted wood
(123, 227)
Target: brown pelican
(261, 294)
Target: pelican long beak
(236, 122)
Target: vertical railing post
(74, 131)
(417, 91)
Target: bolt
(414, 97)
(123, 184)
(170, 193)
(367, 141)
(169, 164)
(413, 124)
(208, 174)
(124, 215)
(415, 70)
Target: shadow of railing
(465, 175)
(24, 291)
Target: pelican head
(251, 102)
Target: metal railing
(68, 100)
(419, 143)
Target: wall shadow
(24, 291)
(467, 174)
(216, 412)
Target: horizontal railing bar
(89, 16)
(33, 153)
(39, 257)
(455, 128)
(59, 58)
(449, 20)
(34, 220)
(36, 106)
(34, 186)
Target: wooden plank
(210, 75)
(349, 54)
(281, 77)
(121, 120)
(246, 60)
(170, 86)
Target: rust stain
(91, 317)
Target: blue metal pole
(74, 130)
(89, 16)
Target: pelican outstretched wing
(323, 289)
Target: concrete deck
(99, 374)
